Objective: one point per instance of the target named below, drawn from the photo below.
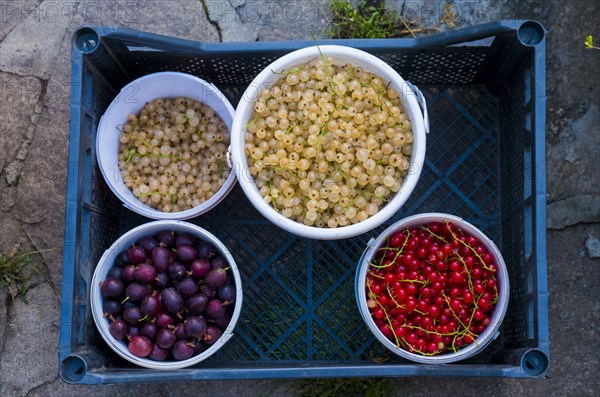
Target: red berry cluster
(432, 289)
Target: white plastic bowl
(490, 333)
(107, 261)
(342, 55)
(131, 100)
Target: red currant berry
(433, 276)
(411, 338)
(412, 244)
(376, 289)
(457, 278)
(478, 289)
(421, 253)
(454, 265)
(386, 331)
(401, 295)
(434, 311)
(426, 322)
(447, 249)
(435, 228)
(448, 228)
(469, 261)
(452, 325)
(455, 305)
(468, 297)
(483, 303)
(432, 347)
(400, 332)
(426, 292)
(396, 239)
(411, 289)
(487, 258)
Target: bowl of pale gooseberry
(328, 142)
(161, 146)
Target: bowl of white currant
(328, 142)
(166, 295)
(161, 146)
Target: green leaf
(589, 43)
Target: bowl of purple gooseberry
(166, 295)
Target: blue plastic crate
(485, 88)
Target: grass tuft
(369, 20)
(17, 269)
(344, 387)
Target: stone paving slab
(14, 13)
(16, 94)
(35, 72)
(30, 342)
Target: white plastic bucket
(126, 241)
(490, 333)
(131, 100)
(411, 101)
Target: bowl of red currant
(433, 288)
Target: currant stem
(387, 317)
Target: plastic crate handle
(422, 104)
